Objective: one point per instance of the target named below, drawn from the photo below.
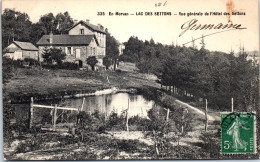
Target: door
(80, 64)
(77, 53)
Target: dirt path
(198, 124)
(197, 110)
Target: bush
(140, 123)
(179, 122)
(69, 66)
(107, 62)
(116, 122)
(31, 62)
(92, 61)
(125, 145)
(7, 69)
(51, 55)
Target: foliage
(125, 145)
(216, 76)
(107, 62)
(182, 119)
(69, 66)
(140, 123)
(8, 114)
(112, 50)
(37, 31)
(51, 55)
(31, 62)
(116, 122)
(131, 51)
(64, 22)
(48, 22)
(15, 26)
(158, 129)
(92, 61)
(7, 69)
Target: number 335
(101, 13)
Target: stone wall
(85, 52)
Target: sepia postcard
(130, 80)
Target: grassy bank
(52, 83)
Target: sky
(163, 29)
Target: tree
(107, 62)
(15, 26)
(49, 23)
(37, 31)
(132, 51)
(51, 55)
(202, 42)
(92, 61)
(112, 50)
(64, 22)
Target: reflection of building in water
(108, 103)
(99, 103)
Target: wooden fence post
(182, 118)
(167, 117)
(206, 115)
(127, 128)
(232, 105)
(31, 114)
(55, 117)
(82, 104)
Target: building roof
(26, 46)
(20, 45)
(93, 27)
(10, 49)
(66, 40)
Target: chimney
(100, 27)
(87, 21)
(51, 37)
(75, 21)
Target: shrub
(157, 129)
(116, 122)
(140, 123)
(125, 145)
(7, 69)
(107, 62)
(92, 61)
(69, 66)
(51, 55)
(31, 62)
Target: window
(69, 50)
(82, 31)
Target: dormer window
(82, 31)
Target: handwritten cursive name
(193, 25)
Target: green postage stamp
(238, 133)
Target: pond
(107, 103)
(104, 103)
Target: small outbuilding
(21, 50)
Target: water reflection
(108, 103)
